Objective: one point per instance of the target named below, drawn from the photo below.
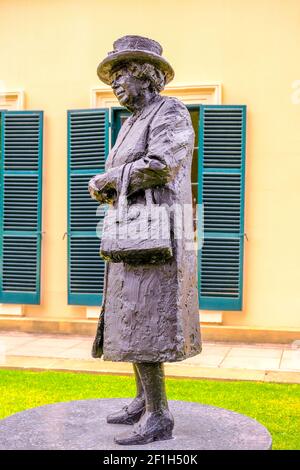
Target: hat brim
(105, 67)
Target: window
(20, 206)
(221, 180)
(218, 173)
(87, 151)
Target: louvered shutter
(87, 151)
(21, 203)
(221, 191)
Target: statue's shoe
(155, 426)
(128, 414)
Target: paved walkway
(263, 362)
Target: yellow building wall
(51, 49)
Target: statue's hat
(135, 48)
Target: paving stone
(209, 360)
(36, 351)
(242, 352)
(248, 362)
(290, 364)
(29, 362)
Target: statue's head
(132, 80)
(135, 67)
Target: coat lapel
(125, 131)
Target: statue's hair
(147, 71)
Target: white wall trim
(210, 316)
(15, 310)
(202, 93)
(12, 99)
(93, 312)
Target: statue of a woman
(151, 312)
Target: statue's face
(127, 88)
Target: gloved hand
(101, 189)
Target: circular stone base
(82, 425)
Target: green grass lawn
(276, 406)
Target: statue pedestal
(82, 425)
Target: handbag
(98, 343)
(97, 348)
(136, 233)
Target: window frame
(22, 296)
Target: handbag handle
(122, 187)
(123, 184)
(149, 197)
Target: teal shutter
(87, 151)
(118, 117)
(221, 192)
(21, 204)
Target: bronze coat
(151, 312)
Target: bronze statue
(151, 312)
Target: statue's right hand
(100, 191)
(94, 191)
